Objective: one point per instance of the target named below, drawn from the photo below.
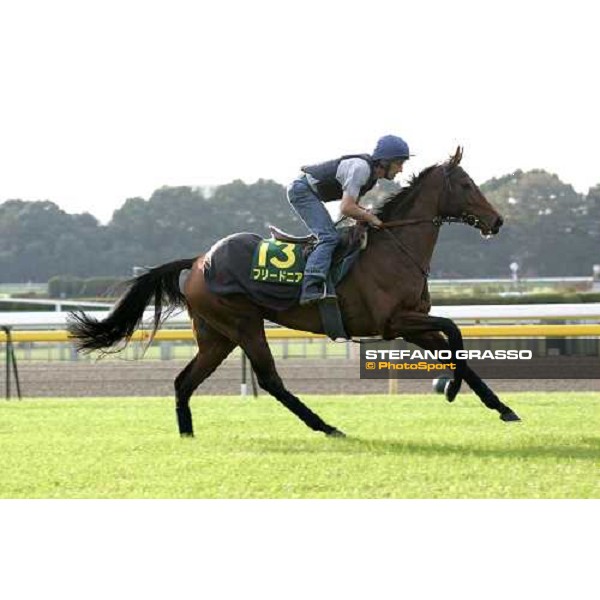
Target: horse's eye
(466, 185)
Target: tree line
(550, 230)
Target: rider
(346, 178)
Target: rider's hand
(373, 221)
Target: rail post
(244, 383)
(11, 363)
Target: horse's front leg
(434, 341)
(413, 325)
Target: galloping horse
(385, 294)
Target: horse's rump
(227, 270)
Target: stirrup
(306, 297)
(306, 300)
(329, 293)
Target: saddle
(282, 236)
(352, 241)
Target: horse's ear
(455, 160)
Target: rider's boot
(313, 289)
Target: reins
(436, 221)
(402, 222)
(401, 246)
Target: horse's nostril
(499, 222)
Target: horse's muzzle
(497, 224)
(487, 231)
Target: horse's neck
(420, 238)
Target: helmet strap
(386, 164)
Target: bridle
(436, 221)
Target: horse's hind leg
(240, 321)
(254, 343)
(435, 341)
(488, 397)
(213, 348)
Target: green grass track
(397, 447)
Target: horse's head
(463, 200)
(443, 193)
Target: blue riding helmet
(391, 147)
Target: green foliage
(550, 230)
(66, 286)
(22, 306)
(102, 287)
(39, 240)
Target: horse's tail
(160, 283)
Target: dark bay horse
(385, 295)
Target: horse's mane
(403, 201)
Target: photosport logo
(536, 358)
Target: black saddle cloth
(228, 265)
(227, 271)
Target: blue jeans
(314, 214)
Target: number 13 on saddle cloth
(278, 262)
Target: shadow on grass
(590, 450)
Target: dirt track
(155, 378)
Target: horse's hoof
(510, 416)
(451, 391)
(186, 435)
(336, 433)
(439, 384)
(445, 385)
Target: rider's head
(389, 155)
